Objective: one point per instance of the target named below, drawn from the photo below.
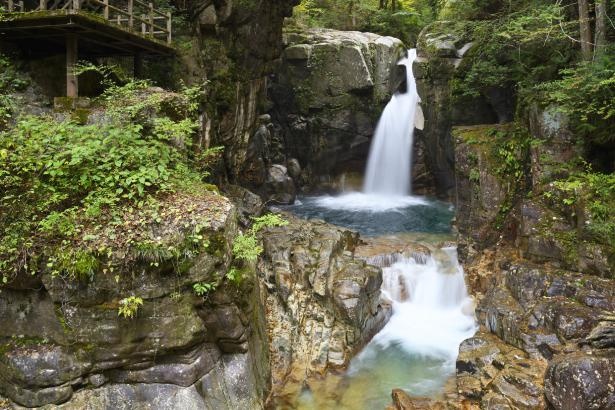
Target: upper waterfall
(390, 156)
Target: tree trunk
(600, 31)
(586, 31)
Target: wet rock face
(328, 94)
(496, 375)
(322, 303)
(63, 341)
(545, 312)
(582, 381)
(540, 318)
(235, 48)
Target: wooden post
(119, 20)
(10, 6)
(43, 5)
(151, 19)
(143, 24)
(76, 5)
(169, 27)
(72, 85)
(106, 9)
(130, 9)
(21, 7)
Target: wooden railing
(131, 15)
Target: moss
(80, 115)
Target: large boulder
(279, 186)
(582, 381)
(328, 95)
(323, 305)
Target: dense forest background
(545, 51)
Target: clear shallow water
(374, 215)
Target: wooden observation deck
(89, 27)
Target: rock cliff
(327, 97)
(536, 258)
(323, 305)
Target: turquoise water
(375, 216)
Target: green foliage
(129, 306)
(59, 179)
(267, 221)
(247, 247)
(404, 20)
(234, 275)
(586, 94)
(203, 288)
(517, 47)
(10, 81)
(594, 194)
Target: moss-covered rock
(328, 95)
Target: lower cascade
(417, 349)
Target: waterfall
(433, 313)
(390, 157)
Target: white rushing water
(432, 311)
(389, 167)
(390, 157)
(417, 349)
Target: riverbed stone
(493, 373)
(582, 381)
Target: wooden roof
(44, 32)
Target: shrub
(129, 307)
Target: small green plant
(247, 247)
(267, 221)
(234, 275)
(203, 288)
(474, 175)
(129, 306)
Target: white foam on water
(359, 201)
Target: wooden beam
(72, 84)
(130, 10)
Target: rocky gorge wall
(543, 281)
(63, 343)
(63, 340)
